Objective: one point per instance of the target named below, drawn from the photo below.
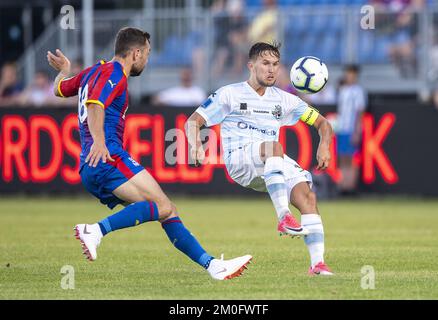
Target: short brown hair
(129, 37)
(352, 68)
(258, 48)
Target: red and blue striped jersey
(106, 85)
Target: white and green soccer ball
(309, 74)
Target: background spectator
(351, 104)
(220, 39)
(264, 25)
(10, 87)
(39, 93)
(185, 95)
(237, 35)
(401, 29)
(230, 36)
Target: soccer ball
(309, 74)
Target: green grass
(398, 237)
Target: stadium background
(39, 141)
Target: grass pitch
(397, 237)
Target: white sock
(274, 180)
(315, 239)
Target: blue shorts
(345, 147)
(101, 180)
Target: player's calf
(275, 184)
(274, 178)
(132, 215)
(185, 242)
(306, 202)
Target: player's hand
(198, 155)
(98, 151)
(323, 157)
(59, 62)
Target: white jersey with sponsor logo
(247, 117)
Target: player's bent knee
(271, 149)
(166, 211)
(278, 149)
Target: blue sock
(183, 240)
(130, 216)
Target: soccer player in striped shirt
(352, 103)
(107, 170)
(251, 114)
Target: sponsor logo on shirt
(277, 112)
(243, 125)
(135, 163)
(243, 109)
(260, 111)
(207, 102)
(111, 83)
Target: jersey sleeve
(105, 87)
(215, 108)
(297, 109)
(361, 100)
(68, 87)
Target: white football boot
(89, 235)
(228, 269)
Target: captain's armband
(310, 116)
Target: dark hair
(352, 68)
(129, 37)
(9, 64)
(260, 47)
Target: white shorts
(245, 167)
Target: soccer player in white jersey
(351, 105)
(251, 114)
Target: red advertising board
(39, 151)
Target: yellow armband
(310, 116)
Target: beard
(136, 71)
(265, 84)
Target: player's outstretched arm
(98, 150)
(193, 132)
(60, 63)
(325, 131)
